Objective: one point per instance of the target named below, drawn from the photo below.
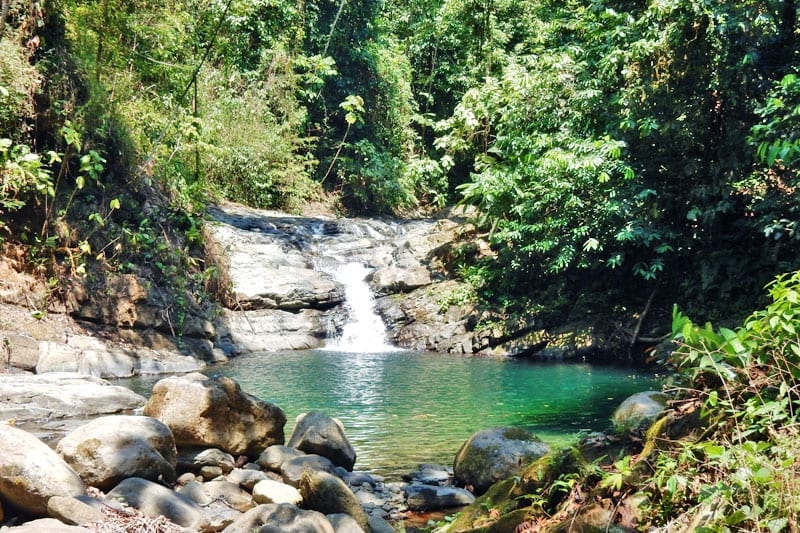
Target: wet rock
(59, 395)
(31, 473)
(491, 455)
(379, 525)
(280, 518)
(320, 434)
(215, 413)
(109, 449)
(431, 498)
(326, 493)
(638, 410)
(269, 491)
(431, 474)
(156, 500)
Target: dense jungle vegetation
(621, 156)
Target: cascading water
(364, 331)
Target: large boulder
(109, 449)
(280, 518)
(31, 473)
(59, 395)
(638, 410)
(320, 434)
(156, 500)
(215, 413)
(328, 494)
(494, 454)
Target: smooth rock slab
(216, 413)
(273, 457)
(280, 518)
(61, 395)
(432, 498)
(156, 500)
(73, 511)
(48, 525)
(31, 473)
(245, 478)
(109, 449)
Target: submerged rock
(491, 455)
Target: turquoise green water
(400, 409)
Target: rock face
(320, 434)
(638, 410)
(495, 454)
(216, 413)
(109, 449)
(31, 473)
(280, 299)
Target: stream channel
(401, 408)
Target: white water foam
(364, 331)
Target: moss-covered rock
(494, 454)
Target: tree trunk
(3, 15)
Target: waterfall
(364, 331)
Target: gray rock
(491, 455)
(293, 469)
(202, 411)
(432, 474)
(639, 410)
(109, 449)
(320, 434)
(246, 478)
(344, 523)
(400, 277)
(31, 473)
(269, 330)
(193, 460)
(431, 498)
(59, 395)
(379, 525)
(280, 518)
(73, 511)
(273, 457)
(269, 491)
(219, 490)
(156, 500)
(326, 493)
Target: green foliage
(748, 381)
